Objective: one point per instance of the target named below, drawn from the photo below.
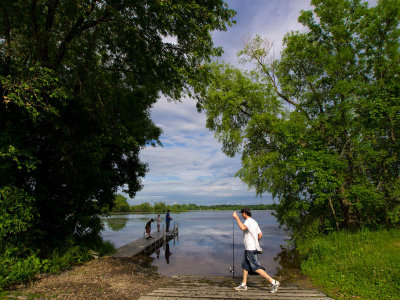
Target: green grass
(365, 264)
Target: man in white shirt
(251, 236)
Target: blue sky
(191, 167)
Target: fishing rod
(232, 269)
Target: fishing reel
(231, 270)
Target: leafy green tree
(160, 207)
(145, 207)
(77, 81)
(120, 204)
(319, 128)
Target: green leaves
(36, 91)
(230, 102)
(318, 128)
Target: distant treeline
(121, 205)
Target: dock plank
(207, 288)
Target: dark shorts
(250, 261)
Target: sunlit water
(205, 242)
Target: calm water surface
(205, 242)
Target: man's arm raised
(241, 225)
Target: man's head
(168, 210)
(246, 211)
(151, 220)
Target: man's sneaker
(275, 287)
(241, 287)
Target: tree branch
(392, 129)
(245, 112)
(34, 21)
(344, 146)
(321, 110)
(334, 214)
(7, 44)
(43, 44)
(273, 81)
(79, 27)
(52, 7)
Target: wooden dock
(146, 246)
(212, 288)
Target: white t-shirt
(250, 235)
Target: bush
(15, 269)
(17, 218)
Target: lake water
(205, 242)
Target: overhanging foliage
(77, 81)
(319, 128)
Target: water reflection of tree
(117, 224)
(289, 264)
(287, 258)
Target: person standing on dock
(167, 220)
(158, 223)
(251, 236)
(148, 229)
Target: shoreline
(175, 212)
(102, 278)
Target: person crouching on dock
(148, 229)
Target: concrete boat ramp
(212, 288)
